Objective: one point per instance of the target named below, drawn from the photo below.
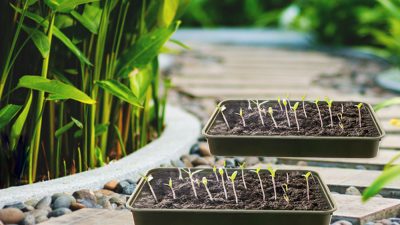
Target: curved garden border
(181, 133)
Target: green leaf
(390, 7)
(179, 43)
(64, 129)
(52, 4)
(144, 50)
(77, 122)
(7, 113)
(141, 81)
(167, 12)
(39, 39)
(385, 178)
(98, 130)
(387, 103)
(55, 87)
(17, 127)
(99, 156)
(121, 142)
(86, 22)
(58, 34)
(119, 90)
(65, 6)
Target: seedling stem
(303, 98)
(279, 102)
(271, 112)
(221, 172)
(272, 171)
(307, 175)
(257, 171)
(148, 179)
(287, 114)
(190, 173)
(242, 166)
(205, 182)
(241, 116)
(215, 173)
(170, 185)
(222, 109)
(319, 112)
(359, 106)
(296, 105)
(329, 102)
(232, 178)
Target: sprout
(359, 106)
(287, 98)
(307, 175)
(260, 110)
(329, 102)
(273, 173)
(232, 178)
(342, 108)
(171, 187)
(257, 171)
(215, 173)
(147, 179)
(285, 189)
(180, 174)
(197, 182)
(279, 102)
(205, 182)
(340, 117)
(190, 173)
(319, 112)
(271, 112)
(226, 172)
(303, 98)
(249, 107)
(241, 116)
(294, 108)
(242, 168)
(287, 178)
(222, 109)
(287, 115)
(221, 172)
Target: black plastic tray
(229, 217)
(293, 146)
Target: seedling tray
(154, 216)
(293, 145)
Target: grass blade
(17, 127)
(7, 113)
(119, 90)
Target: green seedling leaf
(270, 111)
(55, 87)
(243, 165)
(303, 98)
(307, 175)
(272, 171)
(204, 181)
(233, 176)
(284, 102)
(120, 91)
(329, 102)
(385, 178)
(359, 105)
(296, 105)
(7, 113)
(221, 171)
(170, 183)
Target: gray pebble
(63, 201)
(59, 212)
(352, 191)
(41, 219)
(29, 220)
(44, 203)
(342, 222)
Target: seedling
(287, 114)
(147, 179)
(294, 108)
(221, 172)
(342, 108)
(319, 111)
(329, 102)
(215, 173)
(249, 106)
(272, 171)
(359, 106)
(222, 109)
(241, 116)
(242, 168)
(197, 182)
(303, 98)
(180, 174)
(307, 175)
(340, 117)
(287, 98)
(260, 110)
(285, 191)
(271, 113)
(170, 185)
(232, 178)
(205, 182)
(190, 173)
(257, 171)
(287, 178)
(279, 102)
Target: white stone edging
(181, 133)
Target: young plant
(170, 185)
(215, 173)
(222, 109)
(241, 116)
(249, 105)
(260, 110)
(272, 171)
(359, 106)
(221, 172)
(285, 189)
(242, 166)
(232, 178)
(288, 99)
(303, 98)
(205, 182)
(287, 114)
(307, 175)
(340, 118)
(319, 111)
(294, 108)
(257, 171)
(180, 174)
(279, 102)
(271, 113)
(342, 108)
(287, 178)
(147, 179)
(329, 103)
(190, 174)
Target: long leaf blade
(387, 103)
(385, 178)
(7, 113)
(67, 6)
(39, 39)
(17, 127)
(119, 90)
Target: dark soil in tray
(248, 199)
(310, 126)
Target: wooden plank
(237, 82)
(391, 141)
(252, 73)
(93, 217)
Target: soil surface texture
(250, 198)
(310, 126)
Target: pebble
(76, 206)
(19, 205)
(204, 149)
(29, 220)
(118, 200)
(195, 149)
(39, 213)
(44, 203)
(342, 222)
(199, 161)
(31, 202)
(86, 203)
(251, 161)
(55, 196)
(187, 162)
(59, 212)
(177, 163)
(63, 201)
(104, 203)
(87, 196)
(111, 185)
(352, 191)
(11, 215)
(41, 219)
(125, 187)
(104, 192)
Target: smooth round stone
(342, 222)
(29, 220)
(63, 201)
(111, 185)
(126, 188)
(77, 206)
(204, 149)
(44, 203)
(55, 196)
(86, 195)
(59, 212)
(104, 192)
(86, 203)
(17, 205)
(195, 149)
(230, 163)
(251, 161)
(199, 161)
(39, 212)
(118, 200)
(31, 202)
(177, 163)
(352, 191)
(104, 203)
(11, 215)
(41, 219)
